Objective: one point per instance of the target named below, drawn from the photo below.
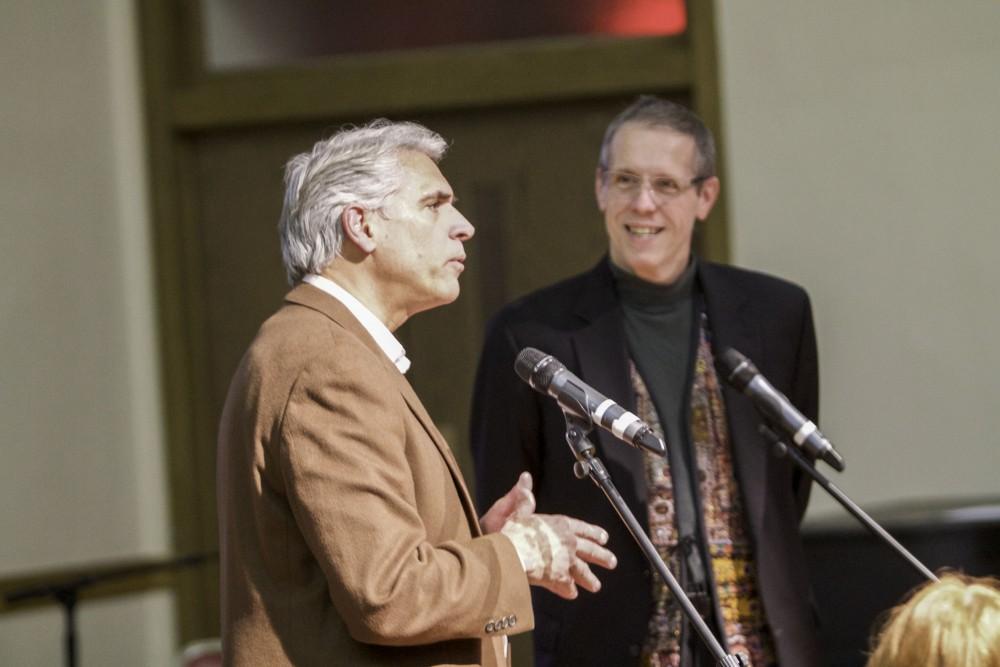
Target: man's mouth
(642, 230)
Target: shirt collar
(373, 325)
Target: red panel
(644, 17)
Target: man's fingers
(525, 481)
(571, 544)
(564, 588)
(525, 499)
(497, 515)
(596, 554)
(516, 503)
(520, 495)
(584, 576)
(588, 530)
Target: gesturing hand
(518, 502)
(555, 550)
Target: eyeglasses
(662, 187)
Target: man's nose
(462, 228)
(643, 199)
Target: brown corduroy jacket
(347, 534)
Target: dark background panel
(857, 578)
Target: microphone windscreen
(735, 368)
(528, 360)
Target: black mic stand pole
(587, 464)
(67, 598)
(781, 449)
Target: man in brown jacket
(347, 534)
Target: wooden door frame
(183, 101)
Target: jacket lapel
(602, 353)
(732, 325)
(417, 407)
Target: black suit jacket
(580, 322)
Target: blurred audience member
(954, 622)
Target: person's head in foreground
(954, 622)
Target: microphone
(742, 374)
(546, 375)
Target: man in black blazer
(643, 325)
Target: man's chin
(638, 265)
(441, 298)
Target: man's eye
(626, 180)
(665, 185)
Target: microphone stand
(587, 464)
(780, 449)
(67, 592)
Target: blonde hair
(954, 622)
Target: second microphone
(545, 374)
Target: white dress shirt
(373, 325)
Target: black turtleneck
(658, 320)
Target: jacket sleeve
(505, 424)
(348, 450)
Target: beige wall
(80, 416)
(863, 157)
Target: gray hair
(358, 166)
(655, 112)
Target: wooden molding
(431, 79)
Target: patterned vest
(729, 549)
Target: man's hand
(519, 502)
(555, 550)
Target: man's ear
(600, 192)
(354, 221)
(708, 193)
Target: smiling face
(650, 223)
(418, 235)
